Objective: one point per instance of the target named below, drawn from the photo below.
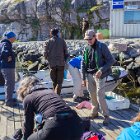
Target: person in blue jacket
(133, 132)
(74, 66)
(7, 62)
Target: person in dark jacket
(85, 26)
(7, 62)
(97, 66)
(60, 121)
(56, 53)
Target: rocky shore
(125, 51)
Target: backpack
(92, 136)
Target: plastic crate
(116, 102)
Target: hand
(9, 58)
(98, 74)
(84, 83)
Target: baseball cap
(10, 35)
(89, 34)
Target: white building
(125, 18)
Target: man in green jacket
(96, 67)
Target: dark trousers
(57, 76)
(9, 76)
(60, 129)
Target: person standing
(56, 53)
(85, 26)
(97, 66)
(7, 60)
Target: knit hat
(10, 35)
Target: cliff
(32, 19)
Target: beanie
(10, 35)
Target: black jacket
(42, 102)
(6, 51)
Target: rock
(137, 60)
(32, 19)
(33, 67)
(133, 52)
(138, 80)
(30, 52)
(118, 46)
(128, 61)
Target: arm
(6, 53)
(29, 118)
(109, 60)
(66, 54)
(83, 70)
(84, 63)
(46, 49)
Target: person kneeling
(60, 121)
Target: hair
(25, 85)
(137, 118)
(54, 32)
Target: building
(125, 18)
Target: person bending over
(60, 121)
(74, 66)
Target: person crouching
(61, 122)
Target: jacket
(76, 62)
(131, 133)
(6, 51)
(97, 58)
(56, 51)
(40, 101)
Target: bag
(92, 136)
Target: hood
(136, 128)
(7, 41)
